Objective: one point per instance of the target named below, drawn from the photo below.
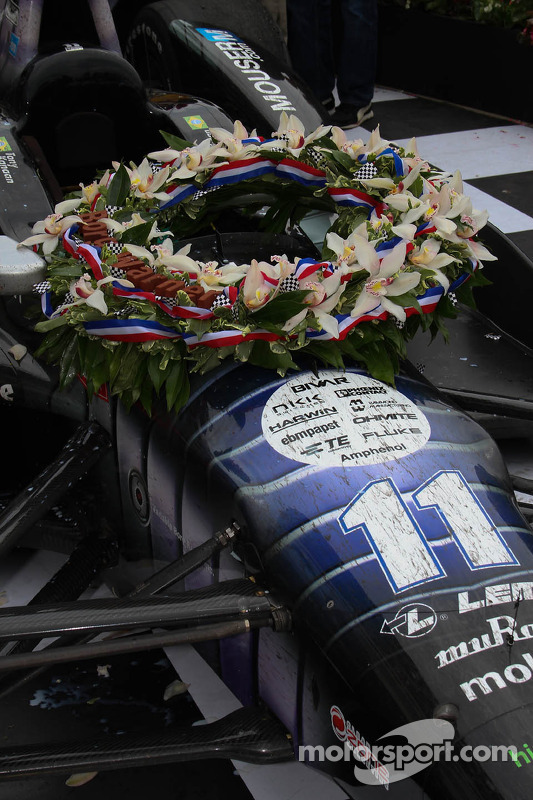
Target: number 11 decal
(398, 542)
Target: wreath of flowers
(126, 306)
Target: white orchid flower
(261, 284)
(353, 148)
(189, 161)
(136, 219)
(375, 144)
(195, 159)
(322, 297)
(415, 159)
(471, 223)
(400, 197)
(167, 156)
(442, 208)
(48, 231)
(262, 280)
(90, 192)
(355, 252)
(165, 256)
(406, 203)
(479, 252)
(291, 133)
(144, 183)
(404, 231)
(428, 256)
(377, 183)
(174, 262)
(211, 276)
(232, 143)
(94, 297)
(388, 281)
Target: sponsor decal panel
(408, 558)
(503, 630)
(497, 594)
(13, 44)
(412, 621)
(358, 420)
(480, 685)
(8, 162)
(250, 64)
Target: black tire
(150, 46)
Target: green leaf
(137, 234)
(199, 326)
(146, 397)
(177, 386)
(119, 187)
(343, 159)
(379, 363)
(243, 350)
(281, 308)
(262, 356)
(174, 141)
(50, 324)
(328, 352)
(407, 300)
(157, 373)
(278, 348)
(417, 187)
(70, 271)
(69, 365)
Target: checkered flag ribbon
(366, 172)
(115, 272)
(452, 298)
(42, 287)
(155, 166)
(202, 192)
(67, 300)
(220, 301)
(115, 247)
(168, 301)
(317, 158)
(289, 284)
(111, 210)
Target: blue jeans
(345, 52)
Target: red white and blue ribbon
(346, 196)
(130, 330)
(138, 330)
(301, 173)
(246, 169)
(176, 194)
(237, 171)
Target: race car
(341, 532)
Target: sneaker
(347, 115)
(328, 104)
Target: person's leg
(356, 70)
(309, 43)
